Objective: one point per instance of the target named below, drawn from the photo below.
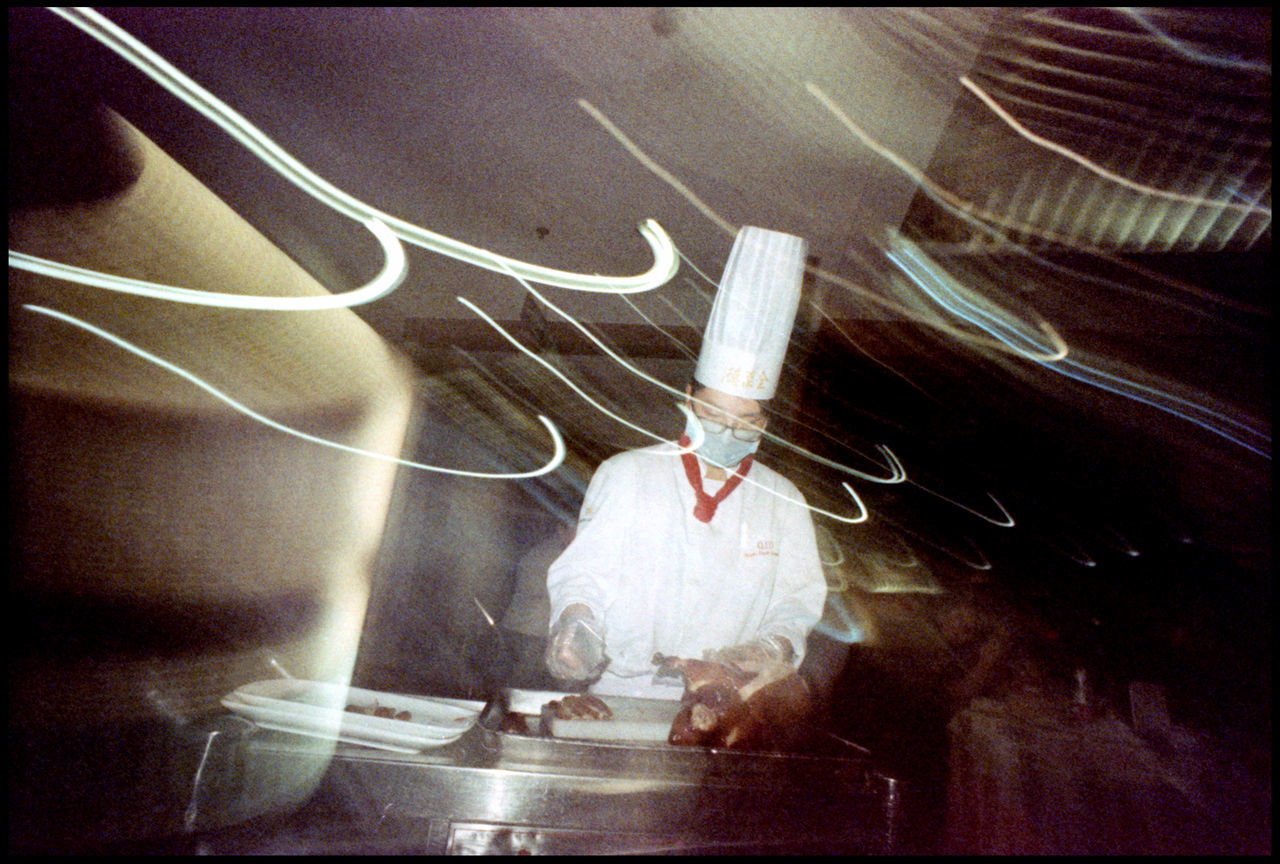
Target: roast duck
(729, 707)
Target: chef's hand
(575, 650)
(754, 656)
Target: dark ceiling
(961, 175)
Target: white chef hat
(753, 313)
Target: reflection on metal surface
(493, 793)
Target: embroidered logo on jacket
(762, 547)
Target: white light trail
(1006, 522)
(684, 349)
(665, 263)
(835, 325)
(967, 212)
(388, 279)
(1054, 147)
(664, 175)
(1178, 46)
(862, 516)
(981, 564)
(933, 282)
(1124, 545)
(949, 293)
(705, 277)
(1084, 559)
(576, 389)
(556, 459)
(675, 451)
(896, 472)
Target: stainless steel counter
(491, 792)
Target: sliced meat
(727, 707)
(590, 707)
(701, 674)
(580, 707)
(376, 710)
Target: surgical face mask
(719, 446)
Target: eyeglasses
(741, 433)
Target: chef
(706, 554)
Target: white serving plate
(312, 728)
(319, 709)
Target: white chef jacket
(660, 580)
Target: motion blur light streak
(982, 218)
(1081, 556)
(1124, 546)
(912, 314)
(657, 169)
(1082, 275)
(665, 261)
(851, 520)
(1100, 84)
(982, 564)
(1096, 168)
(576, 389)
(930, 279)
(1179, 46)
(820, 273)
(388, 279)
(965, 209)
(949, 294)
(192, 811)
(684, 349)
(835, 325)
(556, 459)
(862, 516)
(844, 628)
(705, 277)
(1006, 522)
(896, 472)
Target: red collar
(706, 506)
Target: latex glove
(575, 649)
(754, 656)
